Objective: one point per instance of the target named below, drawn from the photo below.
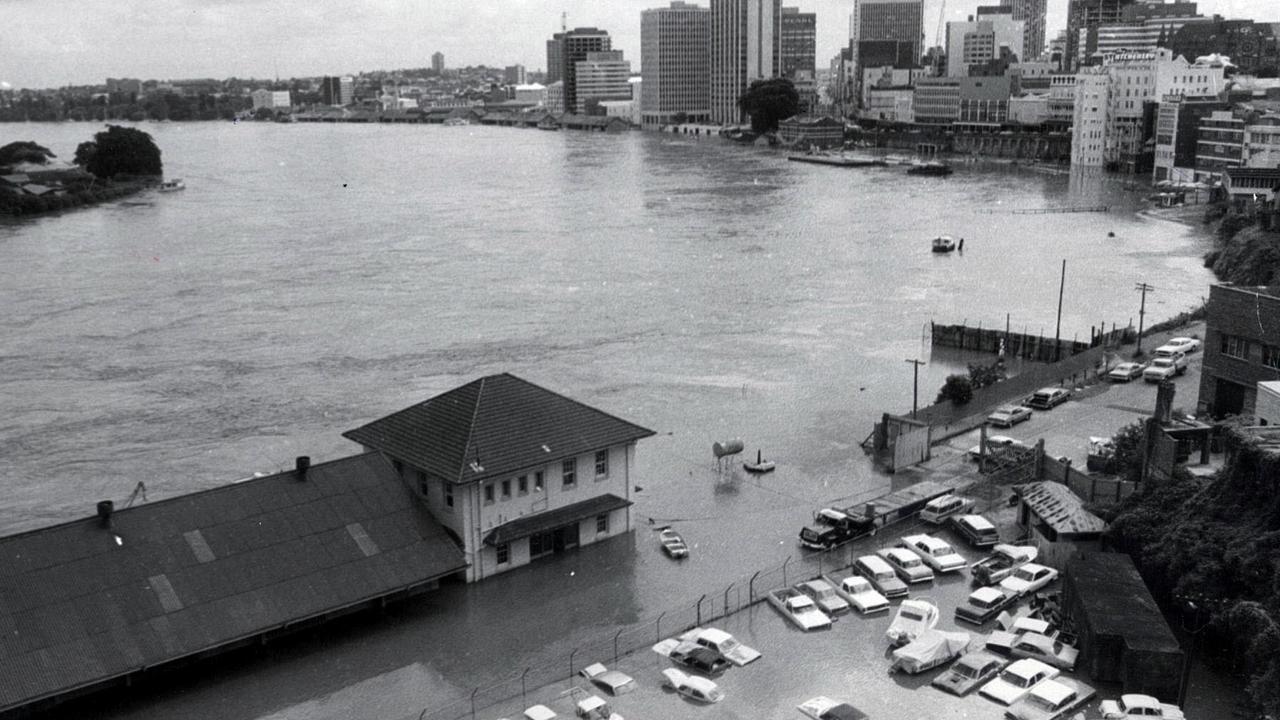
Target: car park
(692, 686)
(913, 618)
(824, 595)
(1126, 371)
(1051, 700)
(1016, 680)
(1132, 706)
(976, 530)
(723, 643)
(970, 671)
(1047, 398)
(939, 509)
(907, 564)
(984, 605)
(881, 575)
(859, 593)
(1002, 562)
(1009, 415)
(613, 681)
(937, 554)
(1048, 650)
(1165, 368)
(824, 708)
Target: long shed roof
(86, 601)
(1117, 602)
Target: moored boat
(931, 167)
(944, 244)
(760, 465)
(172, 185)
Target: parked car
(907, 564)
(594, 707)
(1029, 578)
(970, 671)
(940, 508)
(1048, 650)
(703, 659)
(799, 608)
(1011, 629)
(824, 708)
(1047, 398)
(539, 712)
(1126, 371)
(1001, 563)
(824, 594)
(1051, 699)
(881, 575)
(858, 592)
(1018, 679)
(1184, 345)
(994, 442)
(692, 686)
(1139, 706)
(831, 527)
(723, 643)
(1165, 368)
(984, 604)
(931, 649)
(913, 618)
(1009, 415)
(613, 681)
(976, 530)
(937, 554)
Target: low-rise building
(270, 99)
(808, 131)
(1057, 522)
(1262, 141)
(1029, 109)
(1220, 144)
(1251, 190)
(1241, 348)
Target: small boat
(172, 185)
(760, 465)
(931, 167)
(673, 544)
(944, 244)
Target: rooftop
(1117, 602)
(1061, 509)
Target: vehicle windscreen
(911, 615)
(1015, 679)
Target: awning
(552, 519)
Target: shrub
(958, 389)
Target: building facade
(437, 62)
(601, 76)
(271, 99)
(979, 41)
(1253, 47)
(574, 46)
(1241, 348)
(337, 91)
(1177, 135)
(1090, 118)
(513, 472)
(675, 62)
(514, 75)
(1083, 19)
(799, 42)
(555, 58)
(1262, 141)
(1219, 144)
(1032, 15)
(745, 46)
(886, 20)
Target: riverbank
(22, 204)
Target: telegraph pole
(915, 383)
(1142, 310)
(1057, 333)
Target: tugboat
(935, 168)
(173, 185)
(944, 244)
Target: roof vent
(303, 464)
(105, 507)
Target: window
(504, 553)
(602, 464)
(1236, 347)
(569, 473)
(448, 494)
(506, 489)
(537, 481)
(522, 484)
(602, 523)
(422, 484)
(1271, 356)
(399, 466)
(488, 493)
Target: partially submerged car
(831, 527)
(703, 659)
(984, 605)
(976, 530)
(931, 649)
(824, 708)
(1029, 578)
(939, 509)
(1133, 706)
(1016, 680)
(613, 681)
(824, 594)
(1051, 699)
(692, 686)
(539, 712)
(907, 564)
(594, 707)
(936, 553)
(970, 671)
(1001, 563)
(672, 544)
(858, 592)
(913, 618)
(881, 575)
(799, 608)
(723, 643)
(1046, 649)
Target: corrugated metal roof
(541, 522)
(1117, 602)
(493, 426)
(1061, 509)
(82, 602)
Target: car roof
(1040, 641)
(986, 594)
(977, 522)
(1027, 667)
(1135, 700)
(875, 563)
(901, 553)
(1053, 691)
(714, 635)
(843, 711)
(1048, 390)
(817, 584)
(701, 683)
(944, 500)
(927, 540)
(833, 514)
(978, 659)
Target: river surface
(314, 277)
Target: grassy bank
(88, 194)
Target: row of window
(568, 478)
(1238, 347)
(503, 550)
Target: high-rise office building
(799, 41)
(900, 21)
(675, 61)
(337, 91)
(574, 46)
(601, 76)
(555, 58)
(514, 75)
(1032, 14)
(437, 61)
(1084, 16)
(979, 41)
(745, 46)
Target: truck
(831, 527)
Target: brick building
(1241, 348)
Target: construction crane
(937, 41)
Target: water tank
(732, 447)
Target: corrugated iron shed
(1117, 602)
(492, 427)
(1061, 509)
(88, 602)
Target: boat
(853, 161)
(172, 185)
(673, 544)
(944, 244)
(930, 167)
(760, 465)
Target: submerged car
(859, 593)
(939, 509)
(913, 618)
(692, 686)
(881, 576)
(907, 564)
(1050, 700)
(1048, 650)
(937, 554)
(1001, 563)
(824, 708)
(824, 594)
(1133, 706)
(931, 649)
(614, 681)
(1016, 680)
(970, 671)
(1009, 415)
(1029, 578)
(702, 659)
(723, 643)
(799, 608)
(984, 604)
(672, 544)
(976, 530)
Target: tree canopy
(768, 102)
(24, 151)
(120, 151)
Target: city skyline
(59, 41)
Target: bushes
(958, 389)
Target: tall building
(745, 46)
(514, 75)
(885, 20)
(799, 41)
(575, 44)
(1252, 47)
(979, 41)
(1084, 17)
(337, 91)
(675, 61)
(1032, 14)
(555, 58)
(437, 61)
(601, 76)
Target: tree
(768, 102)
(24, 151)
(121, 151)
(958, 389)
(85, 152)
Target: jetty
(840, 160)
(1072, 209)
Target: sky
(51, 43)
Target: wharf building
(675, 63)
(599, 77)
(478, 480)
(900, 21)
(1241, 348)
(745, 47)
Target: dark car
(703, 659)
(984, 604)
(1047, 398)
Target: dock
(901, 504)
(840, 160)
(1072, 209)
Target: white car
(1050, 700)
(1001, 563)
(1165, 368)
(937, 554)
(1018, 679)
(994, 442)
(1009, 415)
(939, 509)
(594, 707)
(723, 643)
(907, 564)
(1139, 706)
(799, 608)
(1126, 371)
(859, 593)
(1012, 628)
(539, 712)
(825, 595)
(614, 681)
(1180, 344)
(1048, 650)
(824, 708)
(692, 686)
(1029, 578)
(913, 618)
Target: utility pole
(1057, 333)
(1142, 310)
(915, 384)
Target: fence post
(658, 624)
(523, 702)
(726, 598)
(473, 703)
(784, 571)
(704, 597)
(751, 588)
(571, 654)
